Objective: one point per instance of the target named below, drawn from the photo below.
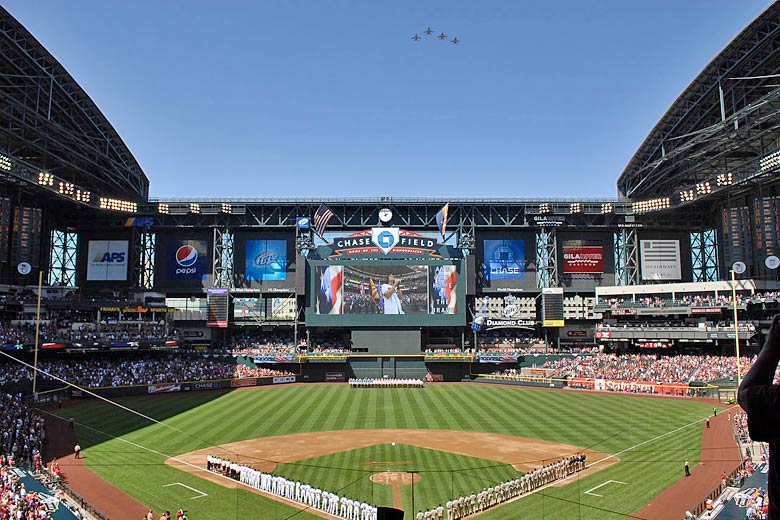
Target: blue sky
(292, 98)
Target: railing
(715, 493)
(82, 502)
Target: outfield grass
(606, 423)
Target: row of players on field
(350, 509)
(474, 503)
(331, 503)
(386, 383)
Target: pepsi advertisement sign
(266, 260)
(187, 259)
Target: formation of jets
(429, 31)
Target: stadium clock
(385, 215)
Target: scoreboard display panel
(386, 293)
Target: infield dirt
(266, 453)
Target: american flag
(441, 220)
(321, 218)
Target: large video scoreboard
(403, 280)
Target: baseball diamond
(438, 431)
(357, 356)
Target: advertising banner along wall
(504, 259)
(187, 259)
(583, 259)
(660, 259)
(107, 260)
(266, 260)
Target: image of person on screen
(391, 292)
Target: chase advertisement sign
(384, 241)
(384, 238)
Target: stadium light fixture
(575, 207)
(118, 205)
(5, 163)
(45, 179)
(688, 195)
(544, 208)
(647, 206)
(195, 208)
(607, 207)
(703, 188)
(769, 162)
(725, 179)
(163, 208)
(226, 208)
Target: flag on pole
(321, 218)
(441, 219)
(378, 299)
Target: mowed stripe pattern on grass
(607, 423)
(442, 475)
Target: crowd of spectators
(680, 369)
(264, 345)
(283, 345)
(15, 501)
(125, 371)
(23, 435)
(743, 325)
(51, 331)
(694, 300)
(23, 432)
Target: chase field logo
(385, 238)
(186, 257)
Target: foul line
(577, 474)
(201, 495)
(588, 492)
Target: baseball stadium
(387, 357)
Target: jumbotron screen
(386, 293)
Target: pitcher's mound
(394, 478)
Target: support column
(62, 258)
(626, 257)
(704, 255)
(222, 258)
(547, 257)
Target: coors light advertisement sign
(583, 259)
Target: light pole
(736, 324)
